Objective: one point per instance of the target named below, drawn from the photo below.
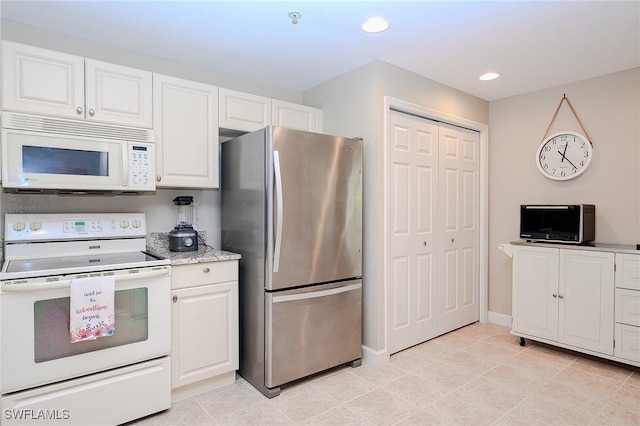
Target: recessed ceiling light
(375, 25)
(489, 76)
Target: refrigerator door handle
(279, 210)
(321, 293)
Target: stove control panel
(70, 226)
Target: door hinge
(615, 267)
(614, 343)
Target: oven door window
(51, 326)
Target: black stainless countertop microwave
(567, 223)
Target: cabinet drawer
(197, 274)
(628, 271)
(627, 342)
(628, 306)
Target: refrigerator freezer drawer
(312, 329)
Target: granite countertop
(593, 246)
(158, 245)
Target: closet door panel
(411, 230)
(459, 226)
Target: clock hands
(564, 157)
(564, 152)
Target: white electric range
(43, 376)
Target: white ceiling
(532, 44)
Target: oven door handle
(22, 287)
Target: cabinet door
(118, 94)
(42, 81)
(296, 116)
(243, 111)
(204, 332)
(186, 125)
(535, 291)
(586, 296)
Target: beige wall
(353, 105)
(609, 109)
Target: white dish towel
(92, 313)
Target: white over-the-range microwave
(52, 155)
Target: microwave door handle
(125, 166)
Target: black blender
(183, 237)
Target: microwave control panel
(141, 167)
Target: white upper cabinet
(296, 116)
(42, 81)
(186, 126)
(246, 112)
(118, 94)
(243, 111)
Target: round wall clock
(564, 155)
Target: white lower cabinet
(627, 329)
(565, 297)
(204, 317)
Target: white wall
(609, 109)
(353, 105)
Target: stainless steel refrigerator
(292, 207)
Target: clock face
(564, 155)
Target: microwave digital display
(62, 161)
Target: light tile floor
(477, 375)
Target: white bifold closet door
(432, 229)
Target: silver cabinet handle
(425, 243)
(79, 110)
(158, 178)
(175, 299)
(279, 211)
(554, 295)
(561, 296)
(91, 112)
(206, 270)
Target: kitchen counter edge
(615, 248)
(158, 245)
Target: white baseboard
(500, 319)
(373, 357)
